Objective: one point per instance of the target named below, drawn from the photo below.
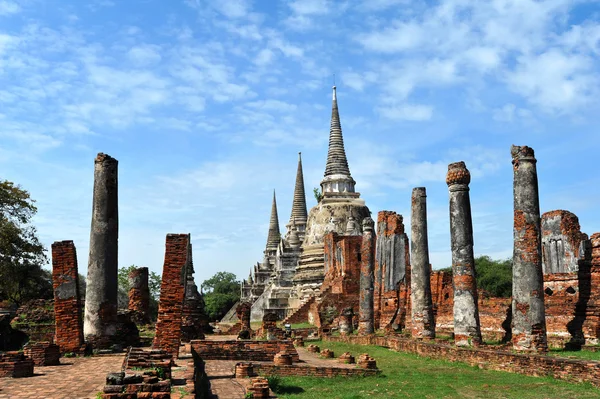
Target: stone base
(15, 365)
(43, 353)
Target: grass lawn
(585, 355)
(409, 376)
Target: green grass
(409, 376)
(297, 325)
(585, 355)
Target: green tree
(21, 253)
(154, 281)
(493, 276)
(317, 194)
(221, 292)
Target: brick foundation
(527, 364)
(43, 353)
(15, 365)
(67, 305)
(139, 295)
(172, 292)
(243, 350)
(297, 370)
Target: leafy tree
(154, 281)
(317, 194)
(221, 292)
(21, 253)
(493, 276)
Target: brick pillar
(367, 267)
(467, 329)
(67, 303)
(243, 312)
(139, 295)
(423, 323)
(528, 313)
(172, 293)
(101, 290)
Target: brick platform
(43, 353)
(15, 365)
(76, 378)
(243, 350)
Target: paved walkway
(75, 378)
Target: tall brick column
(467, 329)
(423, 323)
(139, 295)
(528, 313)
(101, 292)
(367, 268)
(67, 303)
(172, 294)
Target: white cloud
(310, 7)
(144, 54)
(407, 112)
(8, 7)
(264, 57)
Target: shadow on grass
(281, 388)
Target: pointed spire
(274, 234)
(299, 212)
(337, 164)
(337, 173)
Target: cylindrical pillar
(528, 313)
(467, 330)
(423, 323)
(101, 290)
(139, 295)
(367, 270)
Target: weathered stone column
(101, 290)
(67, 302)
(139, 295)
(467, 330)
(367, 269)
(528, 313)
(423, 323)
(345, 321)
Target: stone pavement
(75, 378)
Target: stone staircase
(300, 315)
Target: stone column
(139, 295)
(345, 321)
(423, 323)
(101, 290)
(528, 313)
(367, 269)
(467, 330)
(67, 302)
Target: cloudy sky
(206, 104)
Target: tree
(154, 281)
(221, 292)
(317, 194)
(493, 276)
(21, 253)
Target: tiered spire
(337, 173)
(337, 164)
(274, 234)
(299, 212)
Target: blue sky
(206, 105)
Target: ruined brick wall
(442, 295)
(15, 365)
(172, 292)
(563, 243)
(392, 272)
(244, 350)
(195, 319)
(340, 288)
(589, 289)
(535, 365)
(67, 303)
(36, 319)
(43, 353)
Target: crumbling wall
(563, 243)
(67, 302)
(172, 293)
(392, 272)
